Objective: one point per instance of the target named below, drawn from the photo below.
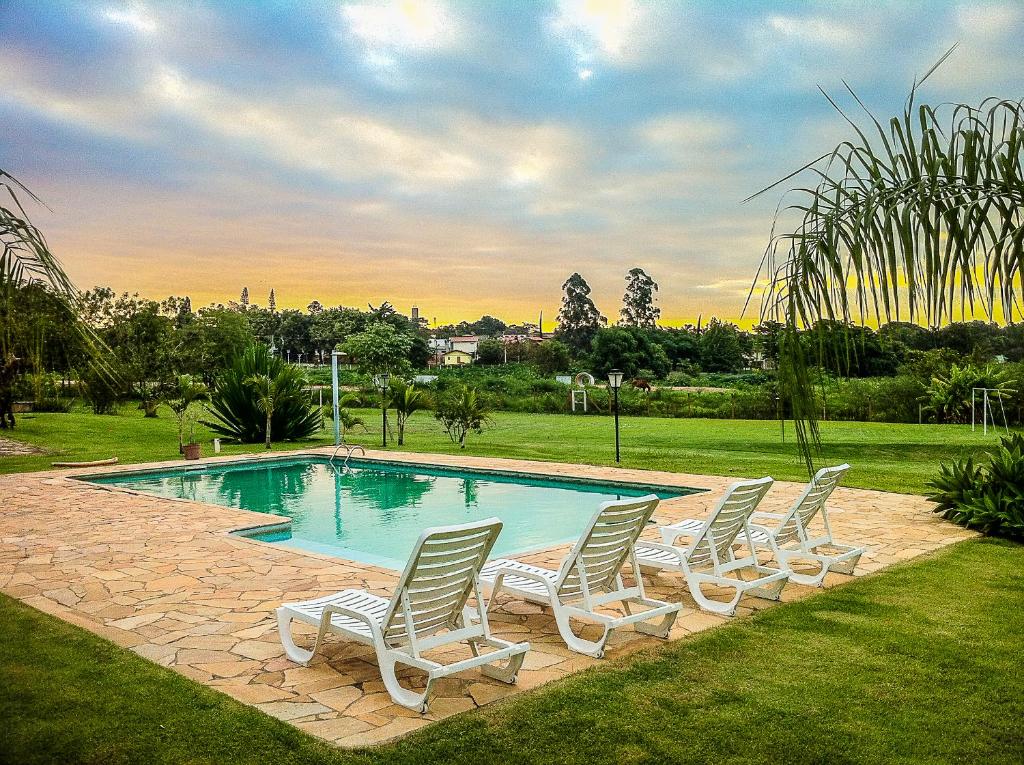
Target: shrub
(98, 387)
(989, 498)
(55, 405)
(461, 413)
(236, 410)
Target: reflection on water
(386, 491)
(375, 514)
(469, 491)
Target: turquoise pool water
(374, 512)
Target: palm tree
(186, 392)
(919, 219)
(25, 258)
(268, 392)
(406, 399)
(462, 412)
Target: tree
(462, 412)
(578, 320)
(139, 334)
(185, 392)
(237, 412)
(550, 357)
(315, 307)
(25, 258)
(268, 392)
(490, 352)
(915, 218)
(272, 301)
(244, 299)
(406, 399)
(419, 352)
(487, 326)
(720, 347)
(380, 348)
(948, 397)
(209, 343)
(638, 309)
(630, 350)
(294, 333)
(767, 337)
(681, 345)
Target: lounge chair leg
(771, 591)
(714, 606)
(659, 629)
(507, 672)
(593, 648)
(403, 696)
(846, 566)
(296, 654)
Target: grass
(885, 456)
(920, 663)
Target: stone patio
(165, 579)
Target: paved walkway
(163, 578)
(11, 448)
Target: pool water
(374, 512)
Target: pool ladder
(350, 449)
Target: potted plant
(186, 392)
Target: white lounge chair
(789, 537)
(590, 577)
(428, 610)
(710, 558)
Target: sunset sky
(462, 157)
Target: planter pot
(193, 451)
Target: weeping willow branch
(919, 219)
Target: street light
(381, 381)
(615, 382)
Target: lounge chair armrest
(510, 571)
(769, 516)
(504, 571)
(329, 611)
(661, 547)
(669, 534)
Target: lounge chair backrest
(810, 503)
(605, 545)
(714, 541)
(438, 579)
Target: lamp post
(381, 381)
(615, 382)
(334, 396)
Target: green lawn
(920, 663)
(884, 456)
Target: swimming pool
(375, 511)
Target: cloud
(813, 30)
(344, 150)
(134, 15)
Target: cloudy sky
(461, 156)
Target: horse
(641, 384)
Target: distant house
(467, 344)
(513, 339)
(456, 358)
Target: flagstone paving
(164, 578)
(11, 448)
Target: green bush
(99, 386)
(55, 405)
(235, 409)
(988, 498)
